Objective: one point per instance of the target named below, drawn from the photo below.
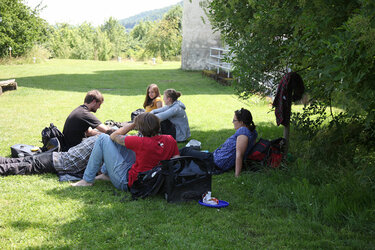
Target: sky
(95, 12)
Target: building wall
(197, 37)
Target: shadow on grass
(115, 220)
(215, 138)
(126, 82)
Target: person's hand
(110, 131)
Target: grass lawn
(268, 209)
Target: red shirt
(149, 151)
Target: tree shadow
(125, 82)
(117, 220)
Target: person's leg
(36, 164)
(188, 151)
(205, 156)
(104, 175)
(116, 168)
(117, 160)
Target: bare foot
(102, 177)
(81, 183)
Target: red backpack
(268, 153)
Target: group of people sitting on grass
(101, 153)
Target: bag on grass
(23, 150)
(135, 113)
(52, 132)
(186, 178)
(180, 179)
(147, 183)
(268, 153)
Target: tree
(117, 35)
(20, 28)
(331, 43)
(164, 38)
(139, 32)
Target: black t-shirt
(77, 124)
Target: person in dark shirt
(82, 123)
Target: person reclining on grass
(124, 156)
(233, 151)
(82, 123)
(71, 162)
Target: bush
(39, 52)
(340, 162)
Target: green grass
(268, 209)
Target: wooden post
(286, 137)
(286, 133)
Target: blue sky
(95, 12)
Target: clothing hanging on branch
(291, 88)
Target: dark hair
(244, 115)
(148, 124)
(173, 94)
(94, 95)
(148, 100)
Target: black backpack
(186, 178)
(267, 152)
(182, 178)
(148, 183)
(52, 132)
(136, 113)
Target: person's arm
(119, 135)
(101, 128)
(159, 104)
(167, 113)
(241, 145)
(159, 110)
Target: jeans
(117, 161)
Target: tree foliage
(21, 28)
(117, 35)
(165, 37)
(331, 43)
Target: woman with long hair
(232, 152)
(153, 99)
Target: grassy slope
(40, 212)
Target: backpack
(51, 132)
(147, 183)
(135, 113)
(267, 152)
(186, 179)
(179, 179)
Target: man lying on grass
(124, 156)
(72, 162)
(232, 152)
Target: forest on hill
(151, 15)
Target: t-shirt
(153, 104)
(149, 151)
(77, 124)
(225, 155)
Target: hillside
(151, 15)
